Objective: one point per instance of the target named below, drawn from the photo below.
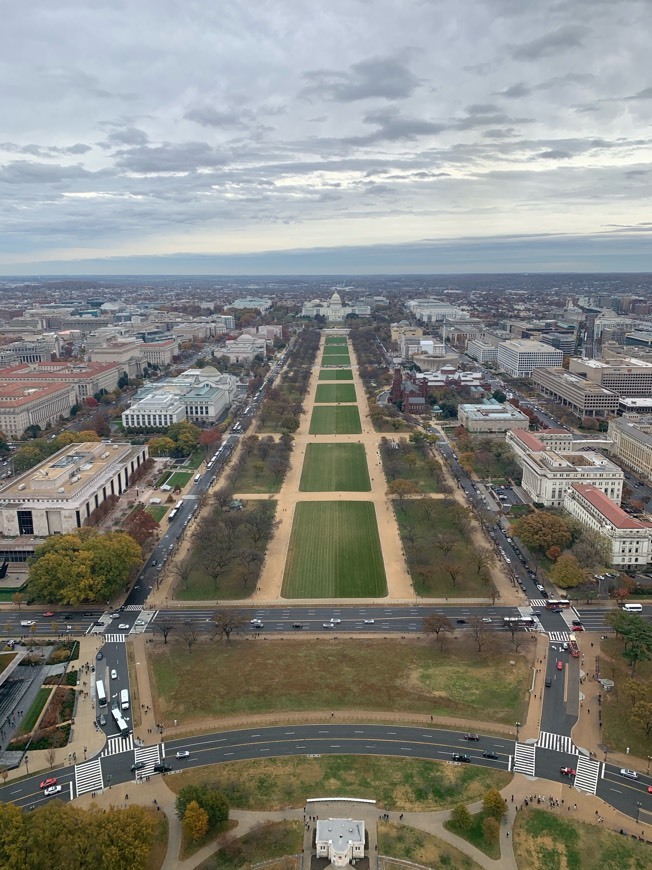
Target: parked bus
(121, 725)
(175, 511)
(557, 604)
(574, 648)
(124, 699)
(101, 694)
(518, 620)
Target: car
(649, 789)
(508, 560)
(328, 625)
(161, 767)
(461, 621)
(457, 756)
(182, 753)
(486, 619)
(154, 563)
(67, 616)
(115, 616)
(54, 789)
(123, 626)
(48, 782)
(100, 655)
(471, 736)
(48, 613)
(577, 626)
(139, 765)
(489, 754)
(254, 621)
(256, 625)
(544, 594)
(114, 674)
(540, 587)
(27, 623)
(102, 719)
(140, 622)
(630, 774)
(335, 620)
(297, 625)
(567, 771)
(548, 682)
(369, 621)
(565, 648)
(560, 666)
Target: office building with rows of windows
(584, 398)
(518, 357)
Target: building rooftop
(528, 345)
(493, 412)
(609, 509)
(14, 395)
(622, 363)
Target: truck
(124, 699)
(573, 647)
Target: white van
(124, 699)
(633, 608)
(197, 476)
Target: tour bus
(175, 511)
(632, 608)
(557, 604)
(121, 725)
(124, 699)
(101, 694)
(518, 620)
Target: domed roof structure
(336, 299)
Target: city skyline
(366, 138)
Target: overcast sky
(493, 134)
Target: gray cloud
(567, 36)
(387, 78)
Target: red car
(560, 666)
(49, 782)
(567, 771)
(49, 613)
(649, 789)
(577, 626)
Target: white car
(624, 771)
(328, 624)
(26, 623)
(123, 626)
(255, 621)
(335, 620)
(140, 622)
(114, 674)
(182, 753)
(369, 621)
(486, 619)
(54, 789)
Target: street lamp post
(27, 764)
(648, 763)
(518, 725)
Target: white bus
(101, 694)
(124, 699)
(121, 725)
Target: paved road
(329, 739)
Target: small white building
(245, 347)
(491, 417)
(340, 840)
(630, 539)
(158, 410)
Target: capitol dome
(336, 299)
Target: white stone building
(25, 405)
(158, 410)
(491, 417)
(334, 309)
(59, 495)
(630, 540)
(244, 348)
(482, 350)
(632, 443)
(520, 356)
(547, 473)
(340, 840)
(627, 376)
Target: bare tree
(446, 545)
(164, 626)
(454, 571)
(226, 622)
(479, 631)
(182, 569)
(189, 633)
(51, 756)
(439, 626)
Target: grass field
(396, 783)
(423, 534)
(327, 394)
(409, 844)
(335, 420)
(31, 717)
(335, 339)
(336, 674)
(475, 835)
(262, 844)
(256, 477)
(335, 468)
(336, 375)
(334, 552)
(340, 359)
(157, 511)
(179, 478)
(547, 841)
(622, 731)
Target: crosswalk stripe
(587, 775)
(116, 745)
(559, 636)
(524, 758)
(537, 602)
(558, 742)
(134, 607)
(115, 638)
(88, 777)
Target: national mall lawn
(250, 676)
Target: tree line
(282, 407)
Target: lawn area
(429, 528)
(162, 479)
(157, 511)
(195, 459)
(619, 729)
(257, 477)
(179, 478)
(246, 678)
(336, 339)
(547, 841)
(400, 783)
(335, 468)
(31, 717)
(264, 843)
(409, 844)
(334, 552)
(335, 420)
(408, 462)
(336, 359)
(327, 394)
(336, 375)
(6, 659)
(475, 834)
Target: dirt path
(399, 583)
